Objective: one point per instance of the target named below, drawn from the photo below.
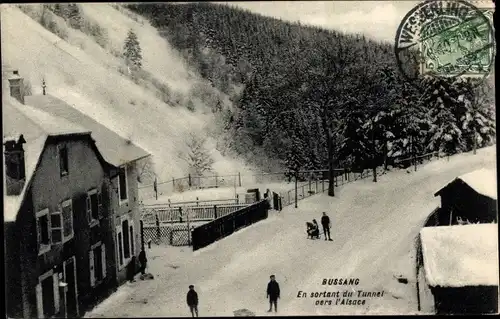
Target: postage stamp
(446, 38)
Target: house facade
(71, 215)
(123, 156)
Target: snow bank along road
(374, 225)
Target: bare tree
(198, 157)
(325, 95)
(145, 171)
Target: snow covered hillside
(90, 77)
(373, 230)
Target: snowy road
(374, 225)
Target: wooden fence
(170, 225)
(197, 202)
(209, 233)
(165, 214)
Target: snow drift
(87, 76)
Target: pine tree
(132, 50)
(74, 16)
(477, 115)
(445, 134)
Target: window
(67, 215)
(94, 206)
(63, 159)
(47, 295)
(56, 226)
(122, 184)
(97, 260)
(43, 231)
(125, 239)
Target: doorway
(71, 292)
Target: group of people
(313, 228)
(273, 294)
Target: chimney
(15, 174)
(16, 86)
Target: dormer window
(63, 159)
(15, 171)
(14, 165)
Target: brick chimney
(15, 171)
(16, 86)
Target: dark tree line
(314, 98)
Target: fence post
(216, 180)
(188, 228)
(239, 178)
(173, 184)
(155, 187)
(215, 211)
(142, 234)
(180, 214)
(197, 203)
(237, 198)
(169, 202)
(189, 179)
(158, 234)
(296, 190)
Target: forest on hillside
(308, 98)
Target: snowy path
(374, 225)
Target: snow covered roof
(461, 255)
(115, 149)
(483, 181)
(35, 126)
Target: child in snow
(192, 300)
(273, 293)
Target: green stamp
(446, 38)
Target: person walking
(325, 222)
(192, 300)
(273, 293)
(143, 261)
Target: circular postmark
(445, 38)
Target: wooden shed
(457, 269)
(471, 197)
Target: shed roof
(483, 181)
(460, 255)
(35, 126)
(115, 149)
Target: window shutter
(92, 270)
(103, 260)
(55, 281)
(89, 208)
(39, 301)
(132, 238)
(39, 231)
(99, 204)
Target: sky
(375, 19)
